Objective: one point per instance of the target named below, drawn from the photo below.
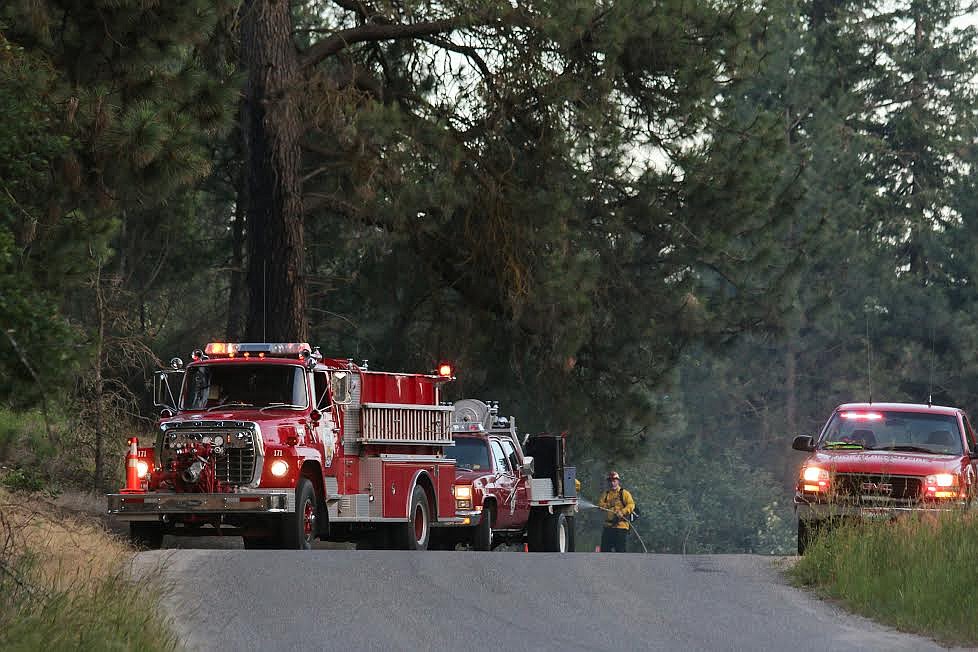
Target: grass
(64, 584)
(917, 574)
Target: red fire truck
(279, 445)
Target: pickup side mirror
(527, 467)
(803, 443)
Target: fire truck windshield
(259, 385)
(471, 453)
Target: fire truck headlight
(279, 468)
(142, 468)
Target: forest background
(680, 231)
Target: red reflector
(861, 416)
(133, 500)
(249, 499)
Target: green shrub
(23, 480)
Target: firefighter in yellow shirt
(618, 503)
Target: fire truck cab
(277, 444)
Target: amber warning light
(445, 370)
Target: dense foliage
(680, 231)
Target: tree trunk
(238, 295)
(272, 129)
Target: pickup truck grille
(864, 487)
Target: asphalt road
(393, 600)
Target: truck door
(505, 486)
(520, 508)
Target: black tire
(534, 531)
(262, 543)
(299, 528)
(482, 540)
(415, 534)
(571, 534)
(146, 534)
(556, 534)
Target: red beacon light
(862, 416)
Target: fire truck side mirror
(527, 467)
(341, 383)
(163, 394)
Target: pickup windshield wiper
(905, 448)
(461, 467)
(290, 406)
(843, 444)
(231, 404)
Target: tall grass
(65, 585)
(917, 574)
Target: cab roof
(901, 407)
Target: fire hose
(631, 527)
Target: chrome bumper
(812, 511)
(465, 518)
(139, 505)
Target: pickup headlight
(814, 479)
(463, 491)
(942, 485)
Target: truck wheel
(146, 534)
(571, 535)
(483, 531)
(414, 534)
(299, 529)
(556, 533)
(806, 533)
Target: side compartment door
(505, 486)
(520, 501)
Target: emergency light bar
(861, 416)
(260, 349)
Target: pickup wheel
(806, 534)
(556, 534)
(299, 529)
(415, 534)
(146, 534)
(483, 531)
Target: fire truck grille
(235, 453)
(237, 465)
(864, 487)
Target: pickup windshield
(471, 454)
(244, 385)
(894, 431)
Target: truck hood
(471, 477)
(883, 462)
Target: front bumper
(137, 506)
(820, 511)
(466, 517)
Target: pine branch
(372, 32)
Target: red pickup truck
(506, 495)
(876, 460)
